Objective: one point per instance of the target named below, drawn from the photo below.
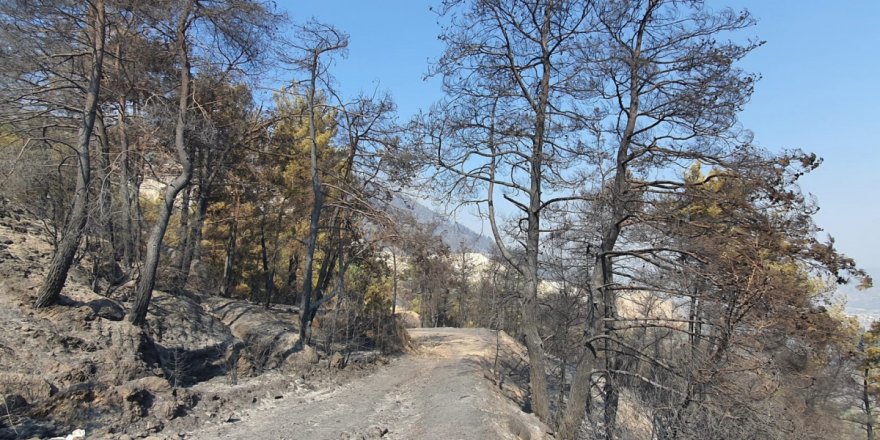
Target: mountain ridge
(454, 234)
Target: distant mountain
(454, 234)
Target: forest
(645, 250)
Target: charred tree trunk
(292, 267)
(228, 269)
(866, 403)
(137, 180)
(534, 343)
(105, 207)
(193, 249)
(324, 277)
(104, 256)
(129, 241)
(268, 273)
(144, 289)
(182, 232)
(190, 248)
(73, 230)
(317, 205)
(601, 277)
(394, 282)
(327, 39)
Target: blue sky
(819, 92)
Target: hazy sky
(819, 91)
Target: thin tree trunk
(609, 301)
(394, 282)
(73, 230)
(183, 231)
(128, 239)
(194, 238)
(268, 274)
(194, 251)
(866, 401)
(599, 284)
(144, 289)
(422, 316)
(324, 276)
(106, 252)
(105, 208)
(317, 191)
(534, 343)
(228, 269)
(601, 276)
(292, 266)
(137, 181)
(462, 290)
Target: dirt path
(437, 392)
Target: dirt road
(437, 392)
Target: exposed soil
(80, 365)
(444, 389)
(208, 367)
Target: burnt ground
(444, 389)
(206, 366)
(81, 365)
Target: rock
(107, 309)
(167, 409)
(139, 396)
(14, 402)
(154, 425)
(71, 372)
(32, 388)
(5, 240)
(152, 384)
(337, 361)
(308, 355)
(79, 434)
(175, 405)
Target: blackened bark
(192, 249)
(866, 402)
(73, 230)
(317, 205)
(105, 207)
(534, 343)
(394, 282)
(268, 272)
(292, 266)
(144, 289)
(183, 232)
(129, 241)
(226, 289)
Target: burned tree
(41, 82)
